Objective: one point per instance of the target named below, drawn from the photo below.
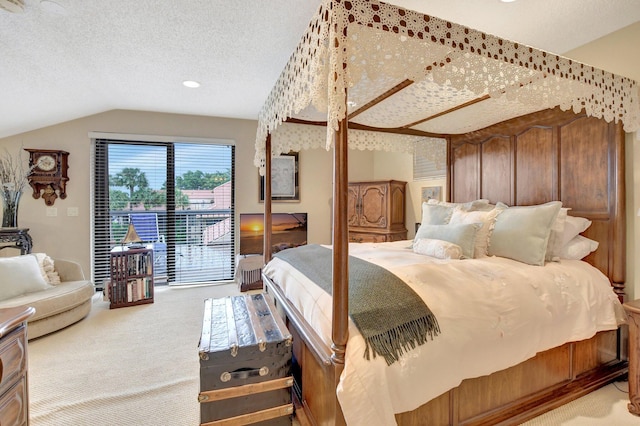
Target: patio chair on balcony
(146, 225)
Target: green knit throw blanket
(391, 317)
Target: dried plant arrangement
(13, 179)
(13, 173)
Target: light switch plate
(52, 211)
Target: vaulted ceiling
(71, 58)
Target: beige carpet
(606, 406)
(128, 366)
(139, 366)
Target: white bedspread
(493, 313)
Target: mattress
(493, 313)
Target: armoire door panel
(396, 215)
(373, 206)
(353, 205)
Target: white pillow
(522, 232)
(554, 246)
(572, 227)
(578, 248)
(435, 214)
(47, 268)
(487, 220)
(20, 275)
(437, 248)
(464, 235)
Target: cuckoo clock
(48, 176)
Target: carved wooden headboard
(545, 156)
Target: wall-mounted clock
(48, 177)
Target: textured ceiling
(90, 56)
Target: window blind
(430, 159)
(424, 169)
(178, 196)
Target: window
(430, 159)
(179, 198)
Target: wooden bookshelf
(131, 278)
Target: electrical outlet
(72, 211)
(52, 211)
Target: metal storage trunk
(245, 363)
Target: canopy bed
(522, 127)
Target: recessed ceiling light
(190, 83)
(507, 1)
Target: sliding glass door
(176, 196)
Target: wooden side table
(633, 311)
(14, 400)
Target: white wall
(69, 237)
(618, 53)
(632, 179)
(399, 166)
(316, 189)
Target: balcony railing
(196, 246)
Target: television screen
(288, 230)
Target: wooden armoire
(376, 211)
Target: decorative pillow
(485, 218)
(464, 235)
(572, 227)
(485, 207)
(20, 275)
(437, 248)
(578, 248)
(47, 268)
(435, 214)
(554, 246)
(522, 232)
(480, 204)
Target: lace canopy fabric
(296, 137)
(388, 67)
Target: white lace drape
(298, 137)
(383, 45)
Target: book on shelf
(140, 263)
(138, 289)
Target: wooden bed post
(619, 265)
(340, 316)
(267, 200)
(340, 272)
(448, 181)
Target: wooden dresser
(376, 211)
(14, 401)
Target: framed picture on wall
(285, 185)
(431, 193)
